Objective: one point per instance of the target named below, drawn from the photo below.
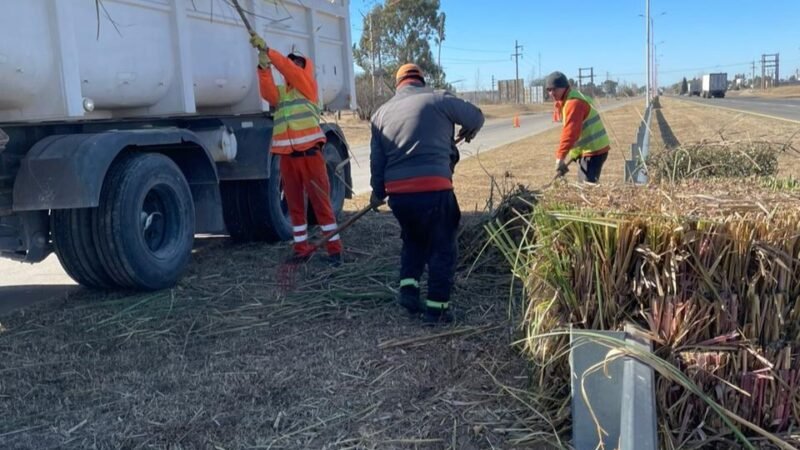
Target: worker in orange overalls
(298, 139)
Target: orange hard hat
(407, 71)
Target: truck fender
(67, 171)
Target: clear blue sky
(698, 36)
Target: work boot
(409, 299)
(334, 260)
(437, 312)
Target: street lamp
(655, 66)
(650, 58)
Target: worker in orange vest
(583, 138)
(299, 140)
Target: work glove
(257, 42)
(263, 60)
(468, 135)
(261, 46)
(561, 167)
(376, 200)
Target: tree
(610, 87)
(684, 87)
(399, 32)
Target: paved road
(784, 108)
(494, 134)
(24, 284)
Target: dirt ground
(690, 123)
(243, 354)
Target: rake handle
(347, 224)
(241, 12)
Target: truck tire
(76, 249)
(247, 212)
(255, 210)
(333, 158)
(144, 225)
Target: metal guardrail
(636, 167)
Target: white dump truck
(694, 87)
(714, 85)
(129, 126)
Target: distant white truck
(714, 85)
(694, 87)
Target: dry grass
(355, 130)
(778, 92)
(693, 124)
(226, 359)
(531, 161)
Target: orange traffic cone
(516, 121)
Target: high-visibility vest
(593, 136)
(296, 125)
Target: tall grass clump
(717, 296)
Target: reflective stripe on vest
(296, 126)
(593, 134)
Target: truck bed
(156, 58)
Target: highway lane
(778, 108)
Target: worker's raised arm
(301, 79)
(266, 84)
(575, 112)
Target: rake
(287, 271)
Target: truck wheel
(333, 158)
(246, 207)
(144, 226)
(75, 247)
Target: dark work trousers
(429, 228)
(591, 166)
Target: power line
(445, 63)
(473, 60)
(471, 50)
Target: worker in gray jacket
(412, 163)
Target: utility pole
(581, 76)
(647, 52)
(753, 75)
(516, 55)
(493, 87)
(770, 61)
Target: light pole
(655, 67)
(647, 22)
(649, 53)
